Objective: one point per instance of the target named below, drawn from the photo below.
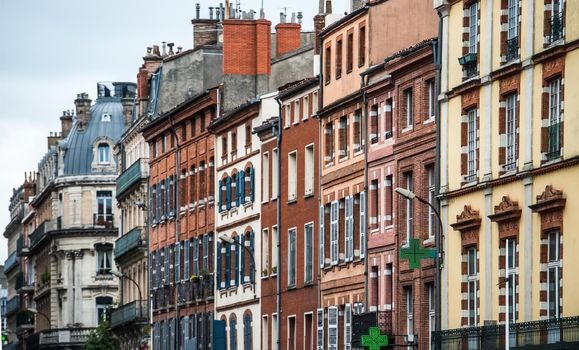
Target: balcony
(127, 243)
(12, 305)
(59, 338)
(39, 234)
(512, 49)
(134, 313)
(139, 170)
(469, 65)
(556, 27)
(554, 146)
(23, 286)
(24, 321)
(22, 248)
(11, 262)
(557, 333)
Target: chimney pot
(164, 45)
(156, 51)
(300, 17)
(171, 48)
(293, 17)
(179, 49)
(210, 12)
(197, 10)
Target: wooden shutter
(227, 265)
(347, 327)
(321, 238)
(186, 269)
(251, 184)
(177, 262)
(218, 272)
(228, 193)
(332, 328)
(362, 224)
(220, 197)
(320, 329)
(334, 232)
(237, 260)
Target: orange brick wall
(246, 47)
(287, 37)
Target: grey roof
(79, 144)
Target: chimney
(150, 64)
(328, 7)
(171, 48)
(127, 103)
(287, 37)
(65, 123)
(319, 25)
(53, 138)
(82, 104)
(205, 32)
(246, 47)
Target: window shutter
(347, 237)
(362, 224)
(320, 328)
(247, 331)
(332, 328)
(334, 232)
(218, 272)
(167, 198)
(177, 262)
(228, 194)
(173, 332)
(251, 267)
(165, 334)
(186, 273)
(251, 184)
(321, 238)
(348, 327)
(237, 260)
(158, 267)
(237, 188)
(227, 265)
(152, 205)
(220, 197)
(242, 259)
(351, 230)
(242, 198)
(167, 265)
(196, 257)
(159, 205)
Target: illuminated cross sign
(414, 253)
(374, 340)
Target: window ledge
(428, 241)
(305, 118)
(308, 283)
(296, 123)
(308, 195)
(552, 161)
(407, 129)
(431, 119)
(292, 287)
(292, 200)
(357, 153)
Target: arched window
(192, 187)
(249, 184)
(104, 153)
(247, 263)
(235, 189)
(223, 201)
(247, 333)
(235, 261)
(232, 332)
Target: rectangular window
(291, 333)
(409, 313)
(328, 65)
(350, 53)
(287, 116)
(291, 259)
(265, 177)
(273, 333)
(329, 142)
(334, 232)
(321, 236)
(358, 137)
(344, 144)
(472, 132)
(361, 46)
(104, 214)
(274, 257)
(309, 253)
(163, 144)
(274, 177)
(339, 49)
(431, 312)
(320, 329)
(473, 27)
(154, 149)
(349, 229)
(431, 99)
(375, 204)
(554, 132)
(431, 215)
(388, 119)
(472, 284)
(308, 331)
(553, 274)
(374, 124)
(104, 259)
(193, 122)
(264, 333)
(224, 145)
(409, 207)
(248, 135)
(292, 176)
(511, 123)
(233, 142)
(309, 177)
(332, 328)
(306, 113)
(362, 225)
(511, 271)
(389, 199)
(409, 109)
(297, 111)
(315, 103)
(513, 19)
(347, 327)
(265, 251)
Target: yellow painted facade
(532, 172)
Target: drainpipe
(278, 204)
(177, 218)
(364, 81)
(437, 52)
(320, 162)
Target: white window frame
(408, 178)
(472, 282)
(265, 177)
(363, 224)
(409, 314)
(104, 153)
(320, 329)
(309, 172)
(513, 19)
(309, 252)
(306, 107)
(409, 101)
(292, 176)
(347, 327)
(471, 142)
(431, 312)
(473, 28)
(349, 229)
(274, 173)
(292, 257)
(265, 239)
(333, 334)
(334, 232)
(554, 264)
(431, 197)
(321, 233)
(511, 272)
(511, 132)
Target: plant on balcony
(274, 270)
(45, 277)
(101, 339)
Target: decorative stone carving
(506, 210)
(550, 200)
(468, 223)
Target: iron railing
(22, 246)
(22, 285)
(559, 333)
(12, 305)
(11, 262)
(133, 312)
(556, 27)
(361, 323)
(24, 319)
(195, 291)
(137, 171)
(512, 49)
(554, 146)
(126, 243)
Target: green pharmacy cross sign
(414, 253)
(374, 340)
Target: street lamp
(36, 312)
(124, 275)
(409, 195)
(228, 240)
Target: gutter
(278, 204)
(363, 84)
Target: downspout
(363, 83)
(320, 162)
(437, 52)
(177, 218)
(278, 209)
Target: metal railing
(135, 311)
(361, 323)
(554, 145)
(126, 243)
(137, 171)
(556, 27)
(12, 305)
(11, 262)
(560, 332)
(512, 49)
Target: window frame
(292, 258)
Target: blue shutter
(228, 193)
(151, 205)
(251, 184)
(242, 186)
(237, 262)
(251, 267)
(247, 332)
(227, 265)
(242, 258)
(167, 265)
(237, 190)
(220, 201)
(177, 262)
(186, 273)
(196, 256)
(218, 274)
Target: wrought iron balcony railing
(559, 333)
(512, 49)
(11, 262)
(12, 305)
(554, 145)
(137, 171)
(556, 27)
(22, 246)
(128, 242)
(22, 285)
(131, 313)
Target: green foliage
(101, 339)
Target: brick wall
(287, 37)
(246, 47)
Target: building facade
(507, 183)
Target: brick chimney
(127, 103)
(82, 104)
(287, 37)
(151, 62)
(246, 47)
(29, 186)
(205, 32)
(65, 123)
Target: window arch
(247, 331)
(235, 262)
(202, 182)
(249, 183)
(232, 332)
(224, 193)
(235, 188)
(104, 153)
(247, 268)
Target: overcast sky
(52, 50)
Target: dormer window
(104, 153)
(106, 117)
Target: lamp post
(409, 195)
(123, 275)
(228, 240)
(36, 312)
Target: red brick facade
(246, 47)
(288, 37)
